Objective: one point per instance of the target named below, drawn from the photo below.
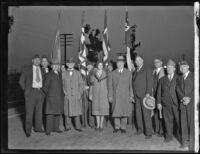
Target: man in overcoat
(142, 87)
(31, 81)
(120, 94)
(167, 101)
(73, 89)
(54, 105)
(185, 91)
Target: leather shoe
(138, 133)
(39, 131)
(167, 140)
(116, 130)
(123, 131)
(159, 135)
(79, 130)
(59, 131)
(28, 135)
(67, 129)
(48, 133)
(148, 137)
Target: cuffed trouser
(68, 122)
(34, 108)
(158, 123)
(143, 117)
(187, 125)
(120, 122)
(52, 122)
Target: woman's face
(100, 66)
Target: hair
(140, 57)
(97, 63)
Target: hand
(132, 99)
(90, 97)
(110, 99)
(86, 87)
(186, 100)
(159, 106)
(147, 95)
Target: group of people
(119, 94)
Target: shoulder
(127, 71)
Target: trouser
(52, 122)
(171, 115)
(34, 109)
(68, 122)
(131, 118)
(187, 124)
(158, 123)
(120, 122)
(143, 117)
(84, 116)
(91, 118)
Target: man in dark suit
(167, 100)
(142, 86)
(185, 91)
(45, 65)
(31, 82)
(158, 73)
(54, 106)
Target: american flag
(106, 44)
(82, 53)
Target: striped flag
(82, 53)
(106, 44)
(127, 31)
(56, 53)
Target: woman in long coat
(100, 105)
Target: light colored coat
(120, 89)
(100, 104)
(73, 89)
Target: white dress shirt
(186, 75)
(36, 84)
(158, 70)
(171, 76)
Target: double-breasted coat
(73, 88)
(100, 104)
(53, 89)
(120, 89)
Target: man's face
(170, 69)
(110, 68)
(157, 63)
(36, 61)
(55, 67)
(184, 69)
(45, 62)
(89, 67)
(100, 66)
(120, 64)
(70, 65)
(139, 61)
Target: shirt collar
(186, 74)
(171, 75)
(158, 70)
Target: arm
(128, 58)
(64, 83)
(158, 96)
(130, 86)
(22, 79)
(47, 82)
(179, 90)
(149, 79)
(110, 86)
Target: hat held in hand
(149, 102)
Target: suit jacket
(156, 78)
(166, 92)
(142, 82)
(120, 89)
(53, 89)
(185, 88)
(26, 80)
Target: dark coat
(185, 88)
(166, 93)
(142, 82)
(26, 80)
(54, 93)
(120, 90)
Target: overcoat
(54, 93)
(73, 88)
(120, 89)
(100, 105)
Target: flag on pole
(127, 31)
(56, 53)
(106, 44)
(82, 53)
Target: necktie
(170, 77)
(37, 75)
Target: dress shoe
(67, 129)
(48, 133)
(148, 137)
(123, 131)
(138, 133)
(28, 135)
(39, 131)
(79, 130)
(168, 140)
(159, 135)
(100, 129)
(116, 130)
(59, 131)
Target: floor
(89, 139)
